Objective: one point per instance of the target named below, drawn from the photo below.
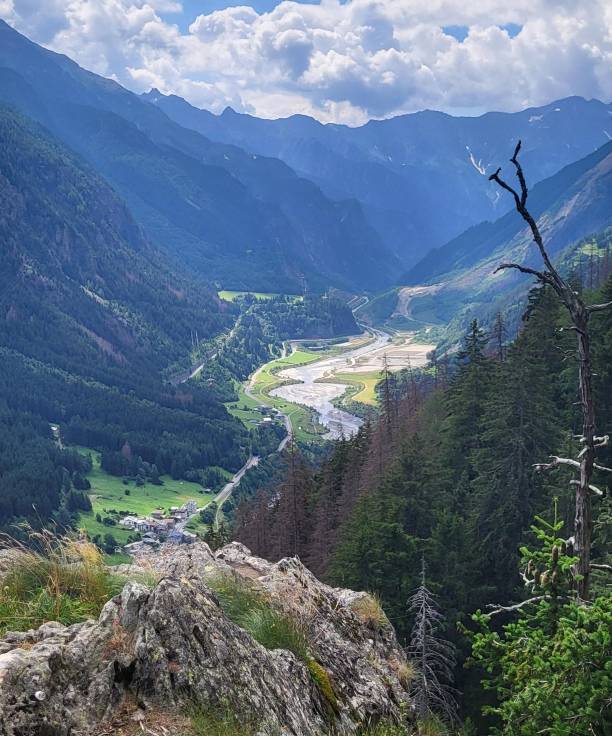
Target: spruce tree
(466, 399)
(519, 427)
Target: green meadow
(363, 385)
(108, 493)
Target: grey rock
(172, 646)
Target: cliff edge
(184, 634)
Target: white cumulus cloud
(343, 62)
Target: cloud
(343, 62)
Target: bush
(65, 581)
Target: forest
(449, 477)
(262, 328)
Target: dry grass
(369, 610)
(54, 579)
(404, 671)
(119, 642)
(131, 720)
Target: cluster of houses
(160, 527)
(269, 414)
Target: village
(160, 527)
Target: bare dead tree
(432, 656)
(580, 314)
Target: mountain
(572, 204)
(421, 178)
(75, 265)
(91, 317)
(243, 220)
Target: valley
(253, 350)
(303, 379)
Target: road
(253, 460)
(228, 488)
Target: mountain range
(277, 205)
(240, 219)
(458, 282)
(283, 205)
(422, 178)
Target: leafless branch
(591, 487)
(523, 269)
(597, 566)
(516, 607)
(599, 307)
(556, 461)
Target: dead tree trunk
(579, 314)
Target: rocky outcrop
(169, 645)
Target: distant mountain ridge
(483, 239)
(243, 220)
(420, 178)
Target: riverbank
(319, 384)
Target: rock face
(171, 645)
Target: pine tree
(519, 427)
(466, 399)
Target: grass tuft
(369, 610)
(404, 671)
(275, 630)
(217, 722)
(250, 609)
(56, 579)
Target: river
(319, 396)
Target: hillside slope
(243, 220)
(90, 317)
(568, 206)
(407, 170)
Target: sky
(343, 61)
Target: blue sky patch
(458, 32)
